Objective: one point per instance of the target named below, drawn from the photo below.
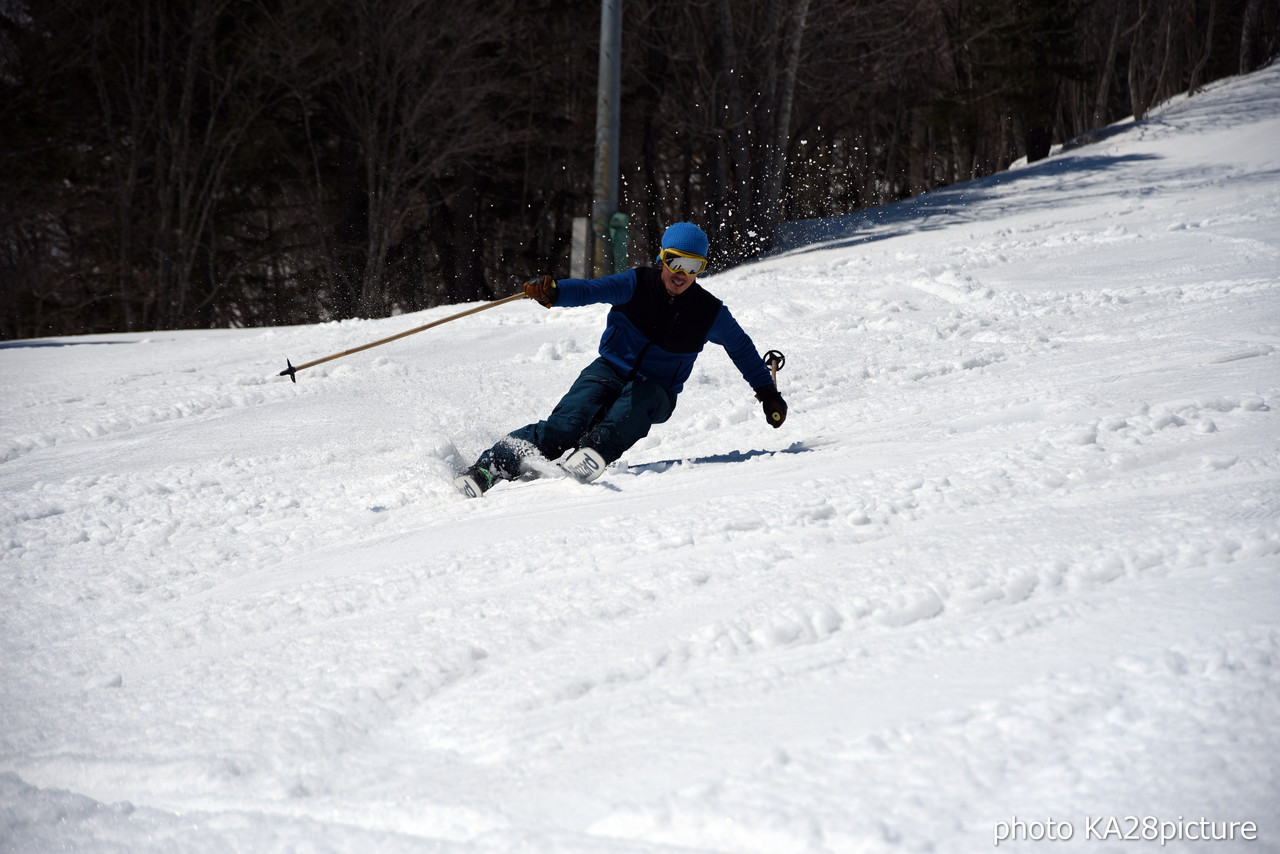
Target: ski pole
(292, 370)
(775, 360)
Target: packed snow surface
(1010, 568)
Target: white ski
(466, 484)
(584, 465)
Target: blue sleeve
(726, 332)
(615, 290)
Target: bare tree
(1248, 35)
(418, 90)
(220, 162)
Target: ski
(468, 486)
(583, 465)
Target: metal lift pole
(604, 201)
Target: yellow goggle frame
(682, 262)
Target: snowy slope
(1014, 555)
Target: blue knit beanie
(686, 237)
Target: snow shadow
(18, 345)
(730, 457)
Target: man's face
(676, 282)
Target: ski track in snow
(1014, 553)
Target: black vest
(676, 324)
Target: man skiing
(660, 321)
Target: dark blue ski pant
(602, 410)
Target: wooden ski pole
(292, 370)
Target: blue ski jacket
(651, 334)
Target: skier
(660, 321)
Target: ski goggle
(683, 262)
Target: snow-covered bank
(1015, 553)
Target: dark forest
(204, 163)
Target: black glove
(543, 289)
(775, 408)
